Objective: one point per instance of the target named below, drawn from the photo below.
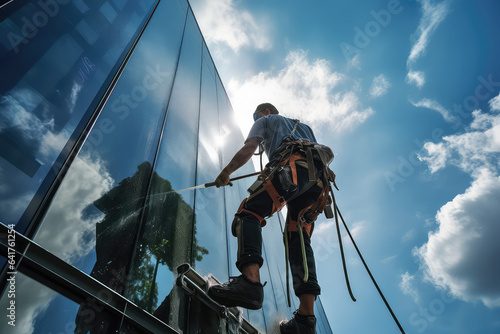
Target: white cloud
(359, 228)
(223, 24)
(326, 227)
(355, 62)
(380, 86)
(470, 151)
(325, 241)
(495, 103)
(304, 89)
(389, 259)
(51, 144)
(17, 112)
(462, 255)
(406, 286)
(432, 15)
(434, 105)
(32, 298)
(416, 77)
(85, 182)
(409, 235)
(437, 156)
(75, 90)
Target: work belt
(290, 154)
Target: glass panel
(167, 237)
(38, 309)
(271, 314)
(98, 206)
(273, 243)
(231, 141)
(256, 318)
(321, 316)
(58, 61)
(184, 5)
(210, 217)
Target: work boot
(239, 291)
(299, 324)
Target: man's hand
(240, 158)
(223, 179)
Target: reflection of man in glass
(292, 177)
(167, 214)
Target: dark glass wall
(58, 58)
(107, 108)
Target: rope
(303, 249)
(295, 127)
(287, 257)
(341, 247)
(261, 152)
(366, 266)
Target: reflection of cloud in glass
(15, 205)
(67, 230)
(211, 150)
(16, 112)
(51, 144)
(34, 299)
(212, 144)
(74, 96)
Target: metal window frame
(39, 264)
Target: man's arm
(240, 158)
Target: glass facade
(106, 108)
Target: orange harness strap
(292, 224)
(310, 212)
(262, 221)
(278, 201)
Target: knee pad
(236, 226)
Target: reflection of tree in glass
(167, 239)
(167, 228)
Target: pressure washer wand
(211, 184)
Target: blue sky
(407, 93)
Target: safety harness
(291, 154)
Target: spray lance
(206, 185)
(211, 184)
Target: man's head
(264, 109)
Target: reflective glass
(167, 238)
(210, 218)
(60, 57)
(93, 219)
(269, 308)
(322, 319)
(39, 309)
(256, 318)
(275, 250)
(184, 5)
(231, 141)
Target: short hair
(264, 106)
